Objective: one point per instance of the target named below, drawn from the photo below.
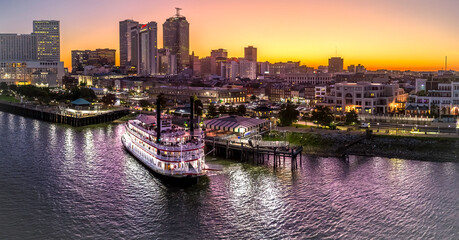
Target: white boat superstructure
(175, 154)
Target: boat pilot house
(240, 126)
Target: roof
(235, 123)
(263, 109)
(81, 101)
(147, 119)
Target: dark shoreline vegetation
(438, 149)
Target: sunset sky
(391, 34)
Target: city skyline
(393, 35)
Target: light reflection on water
(61, 182)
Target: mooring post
(227, 148)
(242, 150)
(275, 160)
(258, 155)
(215, 150)
(301, 159)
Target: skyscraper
(335, 64)
(125, 42)
(80, 59)
(18, 47)
(250, 53)
(148, 49)
(48, 40)
(176, 38)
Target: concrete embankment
(43, 114)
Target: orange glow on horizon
(389, 35)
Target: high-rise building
(135, 30)
(247, 69)
(18, 47)
(125, 42)
(335, 64)
(176, 37)
(48, 40)
(250, 53)
(80, 59)
(167, 64)
(148, 49)
(262, 68)
(99, 57)
(195, 64)
(102, 57)
(351, 68)
(360, 69)
(219, 54)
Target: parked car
(364, 125)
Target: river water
(59, 182)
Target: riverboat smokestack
(158, 120)
(192, 116)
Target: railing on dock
(258, 152)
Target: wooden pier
(50, 116)
(251, 152)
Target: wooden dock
(50, 116)
(251, 152)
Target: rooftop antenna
(178, 11)
(446, 63)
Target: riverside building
(365, 97)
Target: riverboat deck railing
(190, 146)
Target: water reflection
(61, 182)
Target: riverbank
(331, 143)
(53, 114)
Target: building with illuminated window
(205, 94)
(365, 97)
(48, 40)
(126, 43)
(309, 79)
(39, 73)
(437, 97)
(335, 64)
(250, 53)
(167, 62)
(176, 37)
(99, 57)
(145, 43)
(21, 47)
(247, 69)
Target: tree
(421, 93)
(85, 93)
(253, 98)
(288, 114)
(434, 110)
(162, 100)
(3, 86)
(198, 107)
(222, 109)
(322, 115)
(212, 110)
(351, 118)
(109, 99)
(241, 110)
(144, 103)
(232, 110)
